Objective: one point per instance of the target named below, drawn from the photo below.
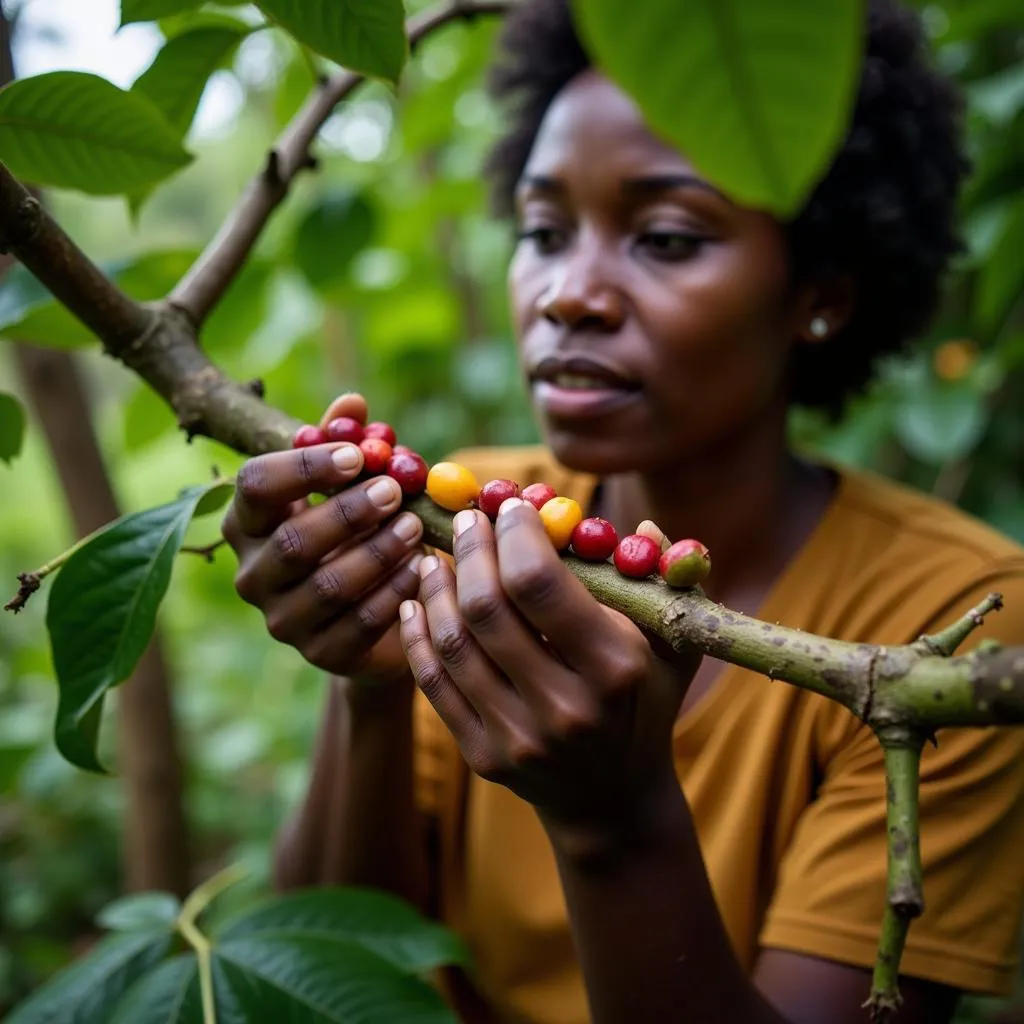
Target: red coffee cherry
(376, 454)
(307, 436)
(595, 539)
(382, 430)
(410, 470)
(637, 556)
(344, 428)
(493, 493)
(538, 495)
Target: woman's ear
(824, 308)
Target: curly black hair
(885, 212)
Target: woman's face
(653, 314)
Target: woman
(617, 838)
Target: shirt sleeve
(829, 896)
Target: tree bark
(155, 835)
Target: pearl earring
(819, 327)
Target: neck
(750, 501)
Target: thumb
(349, 404)
(650, 529)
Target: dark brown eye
(545, 240)
(670, 245)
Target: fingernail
(463, 521)
(346, 457)
(428, 565)
(508, 504)
(414, 562)
(406, 610)
(383, 492)
(407, 526)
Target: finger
(299, 545)
(267, 485)
(350, 404)
(351, 636)
(555, 694)
(648, 528)
(431, 677)
(496, 703)
(342, 582)
(591, 640)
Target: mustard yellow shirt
(786, 787)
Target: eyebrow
(644, 186)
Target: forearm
(358, 824)
(650, 939)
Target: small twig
(199, 291)
(945, 643)
(904, 899)
(205, 551)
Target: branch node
(945, 643)
(206, 551)
(26, 220)
(272, 171)
(257, 387)
(29, 582)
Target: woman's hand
(546, 691)
(329, 578)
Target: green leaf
(941, 423)
(1000, 96)
(103, 607)
(168, 995)
(147, 418)
(298, 979)
(85, 992)
(756, 95)
(175, 81)
(140, 911)
(331, 235)
(12, 427)
(383, 924)
(69, 129)
(367, 36)
(149, 10)
(1001, 280)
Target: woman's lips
(558, 401)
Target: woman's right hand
(328, 578)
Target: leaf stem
(948, 640)
(196, 903)
(31, 581)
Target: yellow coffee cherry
(560, 517)
(452, 486)
(953, 359)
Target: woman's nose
(581, 295)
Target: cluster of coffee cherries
(683, 564)
(381, 452)
(454, 487)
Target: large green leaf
(330, 236)
(103, 607)
(12, 427)
(175, 81)
(85, 992)
(1001, 282)
(756, 94)
(69, 129)
(381, 923)
(367, 36)
(168, 995)
(310, 981)
(941, 423)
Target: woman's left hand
(545, 690)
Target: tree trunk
(155, 836)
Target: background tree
(384, 268)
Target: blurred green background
(384, 273)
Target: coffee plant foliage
(382, 273)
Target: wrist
(631, 829)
